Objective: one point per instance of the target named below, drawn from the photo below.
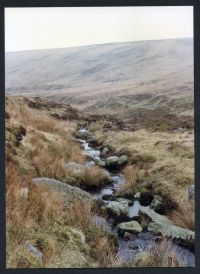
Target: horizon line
(106, 43)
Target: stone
(122, 160)
(107, 178)
(124, 201)
(172, 231)
(112, 161)
(191, 192)
(83, 134)
(100, 163)
(104, 151)
(90, 163)
(89, 156)
(67, 192)
(118, 209)
(132, 226)
(34, 251)
(137, 195)
(153, 216)
(71, 180)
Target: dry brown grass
(27, 205)
(131, 174)
(103, 245)
(184, 216)
(92, 177)
(162, 254)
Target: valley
(100, 156)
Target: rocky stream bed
(125, 215)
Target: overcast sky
(40, 28)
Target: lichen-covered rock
(104, 151)
(118, 209)
(68, 192)
(153, 216)
(84, 134)
(112, 161)
(100, 163)
(89, 156)
(124, 201)
(172, 231)
(122, 160)
(191, 192)
(132, 226)
(34, 251)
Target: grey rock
(34, 251)
(172, 231)
(112, 161)
(104, 151)
(153, 216)
(100, 163)
(89, 156)
(84, 134)
(69, 193)
(132, 226)
(90, 163)
(137, 195)
(124, 201)
(122, 159)
(191, 192)
(118, 209)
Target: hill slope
(89, 76)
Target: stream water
(132, 244)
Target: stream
(131, 244)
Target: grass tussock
(88, 177)
(103, 245)
(27, 205)
(132, 178)
(184, 216)
(162, 254)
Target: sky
(41, 28)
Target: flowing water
(131, 244)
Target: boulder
(122, 160)
(71, 180)
(124, 201)
(153, 216)
(68, 193)
(172, 231)
(90, 163)
(191, 192)
(100, 163)
(112, 161)
(107, 177)
(132, 226)
(89, 156)
(84, 134)
(34, 251)
(104, 151)
(118, 209)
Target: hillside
(99, 75)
